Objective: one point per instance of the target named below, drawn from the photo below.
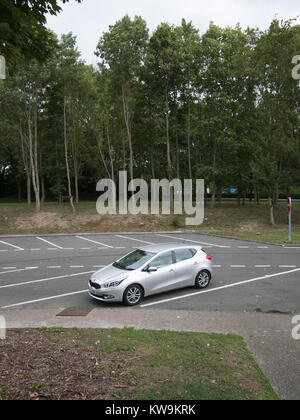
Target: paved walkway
(269, 336)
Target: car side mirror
(150, 269)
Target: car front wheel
(133, 295)
(203, 279)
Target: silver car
(150, 270)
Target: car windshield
(134, 260)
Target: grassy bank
(227, 219)
(128, 364)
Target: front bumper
(106, 295)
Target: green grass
(177, 365)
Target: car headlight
(113, 284)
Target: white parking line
(44, 299)
(262, 266)
(238, 266)
(94, 242)
(9, 268)
(133, 239)
(49, 243)
(25, 283)
(16, 271)
(13, 246)
(221, 288)
(287, 266)
(190, 240)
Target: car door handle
(171, 270)
(196, 263)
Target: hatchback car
(150, 270)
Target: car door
(186, 266)
(164, 278)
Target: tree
(123, 49)
(22, 28)
(164, 68)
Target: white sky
(91, 18)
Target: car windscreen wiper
(117, 265)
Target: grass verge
(227, 219)
(128, 364)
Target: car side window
(184, 254)
(162, 261)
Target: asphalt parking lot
(255, 293)
(52, 271)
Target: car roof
(171, 246)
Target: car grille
(95, 285)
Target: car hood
(109, 273)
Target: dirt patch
(250, 227)
(41, 220)
(36, 365)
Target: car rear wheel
(133, 295)
(203, 279)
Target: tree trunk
(271, 210)
(26, 162)
(169, 163)
(126, 111)
(33, 161)
(110, 154)
(177, 156)
(189, 141)
(66, 157)
(102, 157)
(213, 189)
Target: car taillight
(208, 257)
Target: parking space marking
(13, 246)
(49, 243)
(44, 299)
(262, 266)
(25, 283)
(190, 240)
(267, 276)
(16, 271)
(287, 266)
(95, 242)
(134, 239)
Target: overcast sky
(91, 18)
